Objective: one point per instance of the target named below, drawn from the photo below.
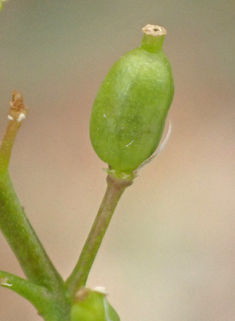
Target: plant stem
(22, 238)
(7, 143)
(115, 188)
(49, 305)
(13, 221)
(17, 113)
(36, 294)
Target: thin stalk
(78, 277)
(36, 294)
(23, 240)
(7, 144)
(13, 221)
(49, 305)
(17, 114)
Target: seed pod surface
(92, 306)
(131, 106)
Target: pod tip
(154, 30)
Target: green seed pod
(131, 106)
(92, 306)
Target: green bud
(130, 109)
(92, 306)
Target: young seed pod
(130, 109)
(92, 306)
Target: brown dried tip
(17, 110)
(154, 30)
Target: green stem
(36, 294)
(78, 278)
(13, 221)
(49, 305)
(22, 238)
(7, 144)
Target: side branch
(36, 294)
(13, 221)
(115, 188)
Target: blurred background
(169, 253)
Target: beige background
(169, 254)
